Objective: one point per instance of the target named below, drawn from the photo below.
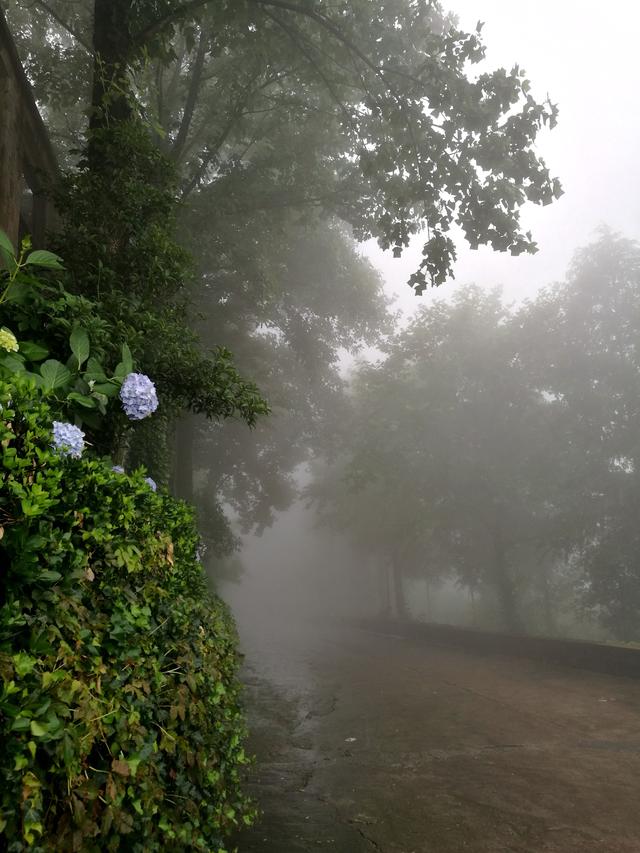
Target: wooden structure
(27, 162)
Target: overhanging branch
(65, 26)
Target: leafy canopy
(403, 136)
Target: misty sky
(584, 55)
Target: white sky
(584, 54)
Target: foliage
(119, 249)
(579, 340)
(445, 469)
(289, 303)
(79, 386)
(279, 120)
(498, 448)
(119, 716)
(369, 109)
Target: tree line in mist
(496, 446)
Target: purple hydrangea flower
(151, 483)
(117, 469)
(138, 395)
(68, 439)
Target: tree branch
(306, 12)
(142, 37)
(53, 14)
(211, 155)
(192, 97)
(293, 36)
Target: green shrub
(119, 720)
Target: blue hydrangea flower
(138, 395)
(68, 439)
(117, 469)
(151, 483)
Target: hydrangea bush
(120, 727)
(81, 376)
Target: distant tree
(446, 462)
(581, 340)
(288, 303)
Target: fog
(583, 57)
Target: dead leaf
(120, 767)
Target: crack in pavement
(370, 841)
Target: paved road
(368, 742)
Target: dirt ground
(370, 742)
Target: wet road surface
(370, 742)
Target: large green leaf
(109, 389)
(7, 255)
(82, 400)
(55, 374)
(94, 371)
(13, 363)
(127, 359)
(6, 245)
(42, 258)
(79, 343)
(33, 351)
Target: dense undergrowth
(119, 713)
(120, 726)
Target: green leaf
(94, 371)
(33, 351)
(21, 762)
(109, 389)
(82, 400)
(13, 363)
(35, 377)
(127, 359)
(79, 342)
(49, 575)
(7, 251)
(42, 258)
(55, 375)
(23, 664)
(37, 730)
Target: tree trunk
(427, 589)
(504, 585)
(113, 49)
(400, 607)
(384, 599)
(548, 610)
(474, 616)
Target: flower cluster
(138, 395)
(151, 483)
(8, 340)
(117, 469)
(68, 439)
